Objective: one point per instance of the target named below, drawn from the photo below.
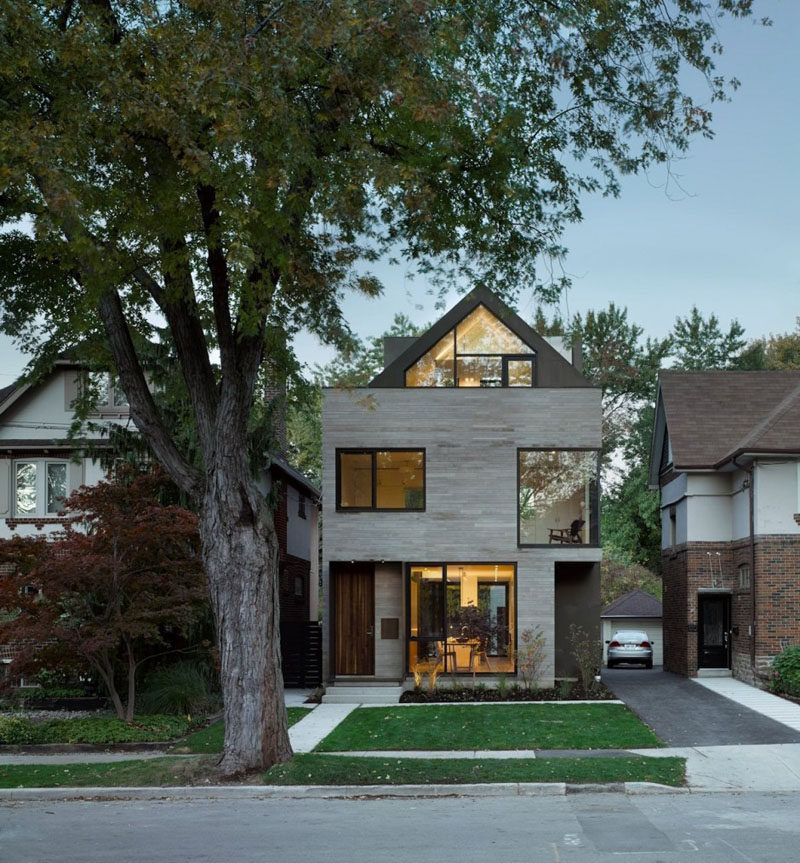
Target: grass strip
(349, 770)
(314, 769)
(152, 772)
(490, 726)
(210, 739)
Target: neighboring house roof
(711, 418)
(637, 603)
(552, 369)
(299, 479)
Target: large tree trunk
(240, 551)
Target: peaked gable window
(480, 351)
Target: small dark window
(298, 586)
(301, 509)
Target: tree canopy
(225, 171)
(115, 587)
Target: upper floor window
(390, 479)
(39, 487)
(557, 497)
(301, 506)
(480, 351)
(108, 393)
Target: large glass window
(557, 497)
(481, 351)
(381, 479)
(39, 487)
(435, 368)
(461, 618)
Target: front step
(714, 672)
(363, 693)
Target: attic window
(481, 351)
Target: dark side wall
(577, 600)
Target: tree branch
(143, 408)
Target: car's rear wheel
(649, 664)
(610, 664)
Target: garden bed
(457, 694)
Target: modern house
(726, 458)
(460, 492)
(39, 467)
(636, 609)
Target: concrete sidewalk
(762, 768)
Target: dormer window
(480, 351)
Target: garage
(635, 610)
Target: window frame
(595, 539)
(41, 509)
(504, 358)
(373, 452)
(443, 565)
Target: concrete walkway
(310, 730)
(763, 768)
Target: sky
(721, 232)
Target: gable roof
(552, 370)
(711, 418)
(637, 603)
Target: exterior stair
(363, 692)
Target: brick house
(726, 458)
(460, 483)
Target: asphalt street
(684, 714)
(577, 828)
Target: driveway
(684, 714)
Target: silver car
(630, 645)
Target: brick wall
(690, 568)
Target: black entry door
(713, 631)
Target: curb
(333, 792)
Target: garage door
(651, 625)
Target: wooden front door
(354, 610)
(713, 630)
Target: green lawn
(490, 726)
(210, 739)
(343, 770)
(349, 770)
(149, 772)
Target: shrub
(16, 730)
(181, 689)
(587, 653)
(143, 729)
(531, 656)
(786, 671)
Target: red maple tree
(111, 590)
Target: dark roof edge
(294, 474)
(393, 374)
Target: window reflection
(557, 496)
(435, 368)
(480, 352)
(26, 488)
(482, 333)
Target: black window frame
(532, 356)
(444, 565)
(595, 540)
(373, 452)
